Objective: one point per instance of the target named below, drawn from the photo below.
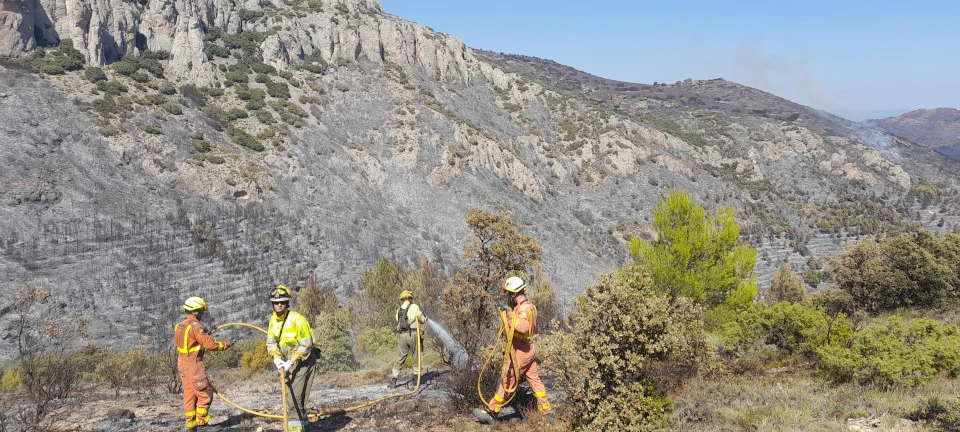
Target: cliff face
(106, 30)
(235, 146)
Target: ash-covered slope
(237, 146)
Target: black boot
(393, 382)
(485, 416)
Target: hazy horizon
(832, 56)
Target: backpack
(402, 323)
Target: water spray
(459, 355)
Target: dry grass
(798, 402)
(413, 414)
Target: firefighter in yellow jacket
(192, 340)
(290, 342)
(407, 316)
(522, 320)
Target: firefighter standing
(290, 342)
(192, 340)
(522, 321)
(407, 341)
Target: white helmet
(514, 285)
(194, 304)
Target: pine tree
(698, 256)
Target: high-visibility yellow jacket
(413, 314)
(289, 337)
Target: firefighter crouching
(192, 340)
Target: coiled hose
(505, 343)
(283, 384)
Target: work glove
(287, 365)
(226, 346)
(279, 363)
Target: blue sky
(831, 55)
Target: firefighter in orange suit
(191, 340)
(522, 321)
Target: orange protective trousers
(523, 320)
(527, 358)
(197, 393)
(192, 340)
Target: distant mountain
(929, 127)
(934, 128)
(858, 116)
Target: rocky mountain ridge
(934, 128)
(226, 147)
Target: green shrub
(213, 91)
(375, 347)
(256, 360)
(51, 69)
(246, 93)
(255, 105)
(909, 270)
(124, 370)
(202, 145)
(153, 99)
(172, 108)
(244, 139)
(264, 116)
(94, 74)
(742, 331)
(785, 286)
(151, 129)
(213, 33)
(249, 15)
(126, 66)
(287, 75)
(237, 77)
(67, 57)
(218, 113)
(167, 88)
(214, 159)
(606, 379)
(893, 354)
(105, 106)
(263, 68)
(155, 55)
(232, 357)
(793, 326)
(278, 90)
(334, 342)
(11, 380)
(213, 50)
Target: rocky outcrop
(106, 30)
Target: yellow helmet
(514, 285)
(194, 304)
(406, 294)
(280, 294)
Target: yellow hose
(326, 413)
(505, 340)
(283, 396)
